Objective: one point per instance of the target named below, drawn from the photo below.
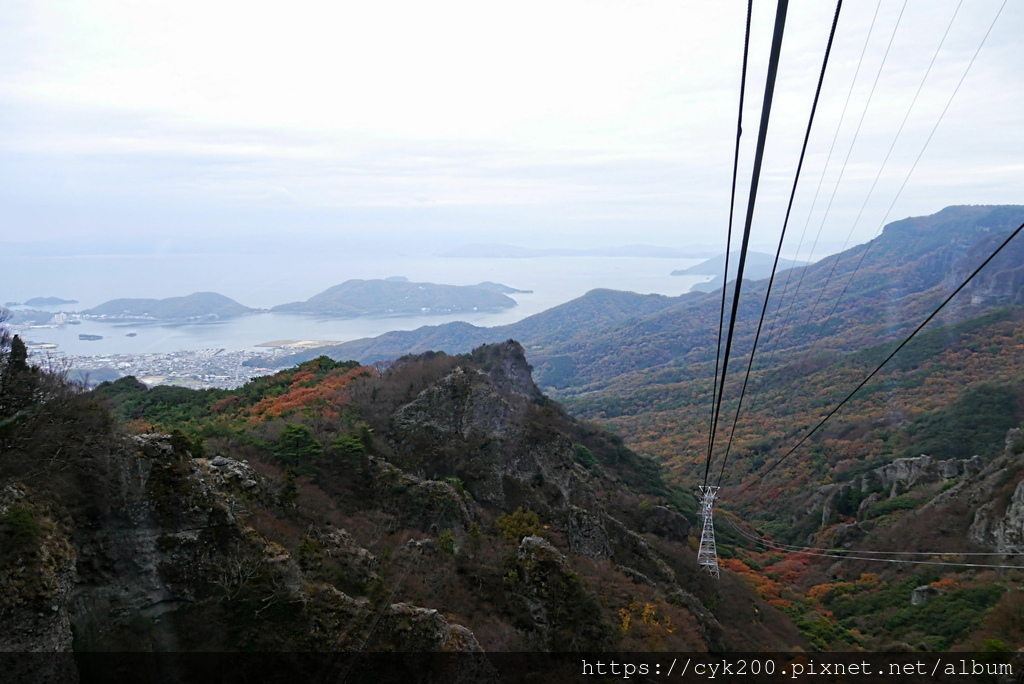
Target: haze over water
(263, 281)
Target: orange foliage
(140, 426)
(792, 570)
(228, 402)
(945, 584)
(868, 580)
(324, 397)
(819, 591)
(736, 565)
(301, 377)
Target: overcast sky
(193, 125)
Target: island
(199, 306)
(49, 301)
(402, 298)
(757, 266)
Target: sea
(266, 280)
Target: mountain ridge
(358, 297)
(198, 305)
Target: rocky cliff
(173, 564)
(441, 504)
(979, 502)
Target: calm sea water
(263, 281)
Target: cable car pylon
(707, 555)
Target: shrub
(512, 527)
(21, 525)
(584, 456)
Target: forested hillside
(951, 394)
(441, 503)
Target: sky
(219, 125)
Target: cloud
(593, 116)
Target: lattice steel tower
(707, 555)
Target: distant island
(499, 251)
(193, 307)
(502, 289)
(758, 266)
(49, 301)
(400, 297)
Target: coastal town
(195, 369)
(203, 368)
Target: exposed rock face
(922, 594)
(1005, 532)
(37, 574)
(710, 628)
(900, 476)
(908, 473)
(173, 549)
(999, 519)
(992, 492)
(553, 606)
(172, 541)
(519, 457)
(666, 523)
(428, 505)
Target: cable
(902, 186)
(795, 547)
(914, 165)
(846, 161)
(892, 146)
(732, 207)
(889, 358)
(766, 109)
(817, 191)
(782, 237)
(905, 561)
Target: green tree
(446, 542)
(299, 449)
(18, 380)
(290, 491)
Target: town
(196, 369)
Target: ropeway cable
(904, 561)
(732, 208)
(890, 356)
(762, 134)
(867, 248)
(782, 237)
(817, 192)
(795, 547)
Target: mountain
(199, 305)
(863, 296)
(399, 297)
(443, 504)
(502, 289)
(469, 509)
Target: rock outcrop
(491, 427)
(999, 499)
(992, 492)
(172, 556)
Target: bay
(263, 281)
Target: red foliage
(323, 398)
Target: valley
(539, 492)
